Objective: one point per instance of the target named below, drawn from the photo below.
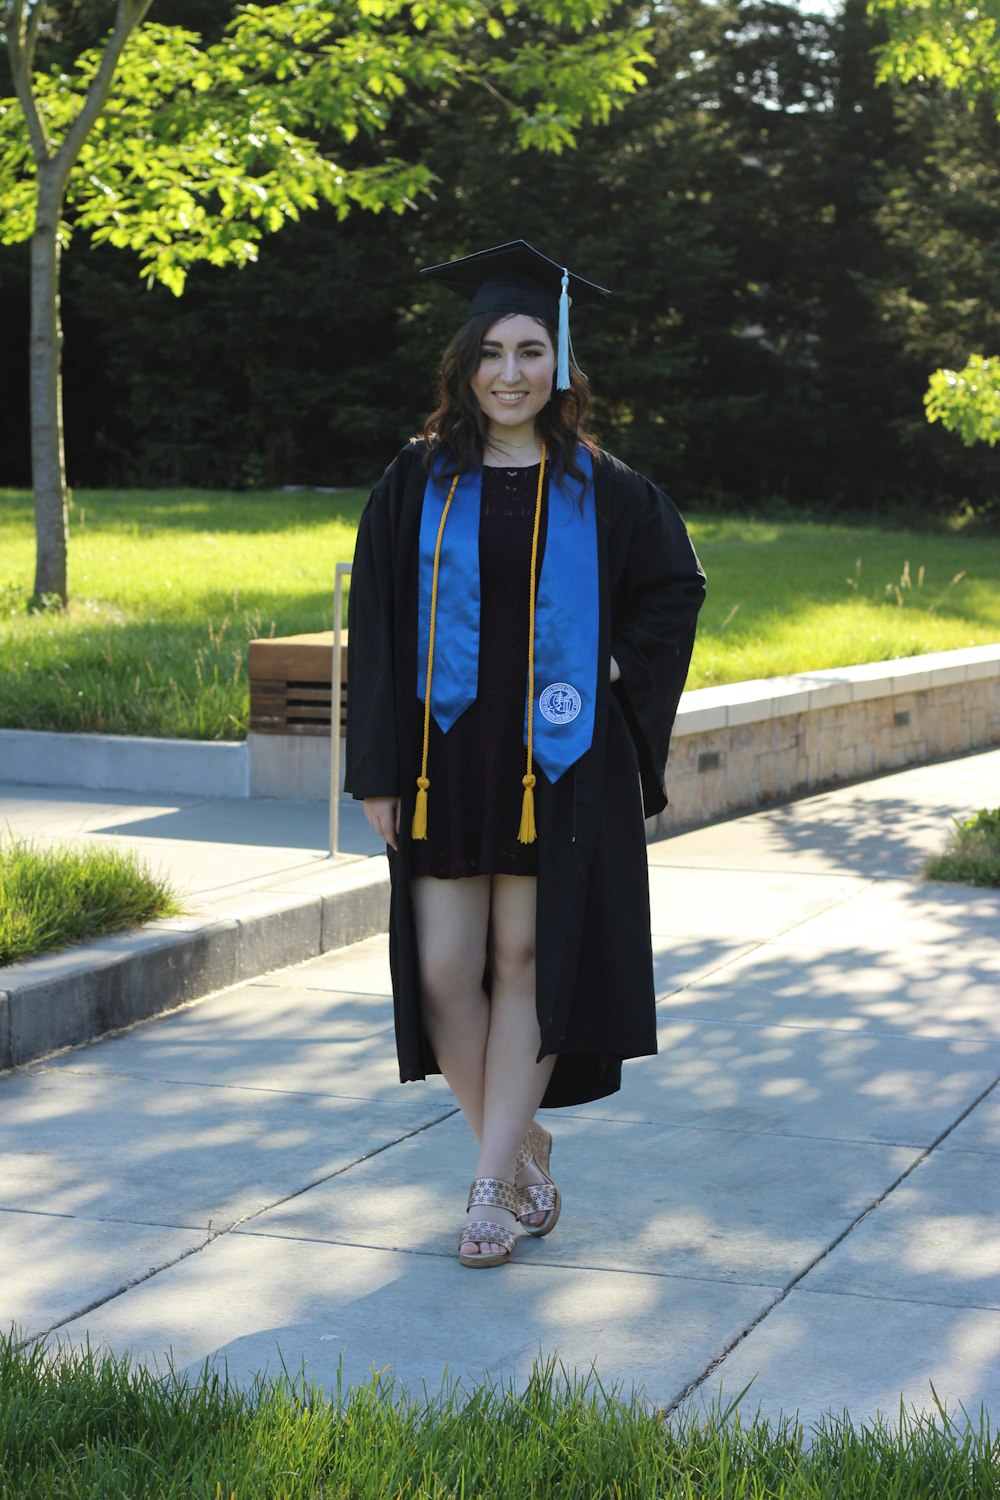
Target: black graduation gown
(594, 969)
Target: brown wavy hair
(459, 425)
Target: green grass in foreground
(168, 587)
(83, 1426)
(52, 896)
(973, 853)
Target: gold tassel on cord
(418, 827)
(526, 834)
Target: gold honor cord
(418, 828)
(526, 833)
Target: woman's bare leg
(486, 1048)
(452, 918)
(513, 1081)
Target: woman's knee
(512, 932)
(513, 960)
(449, 979)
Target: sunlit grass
(168, 587)
(80, 1426)
(58, 894)
(789, 597)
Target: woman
(522, 613)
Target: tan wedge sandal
(490, 1192)
(537, 1197)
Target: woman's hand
(383, 815)
(616, 670)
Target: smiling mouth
(510, 396)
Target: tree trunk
(47, 455)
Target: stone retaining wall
(745, 744)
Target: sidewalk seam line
(127, 1286)
(774, 1135)
(924, 1155)
(201, 1083)
(55, 1213)
(827, 1291)
(820, 1030)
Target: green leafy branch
(200, 150)
(967, 401)
(958, 44)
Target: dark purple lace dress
(475, 770)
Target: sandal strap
(536, 1198)
(493, 1192)
(540, 1142)
(485, 1232)
(535, 1149)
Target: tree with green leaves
(147, 137)
(958, 44)
(791, 247)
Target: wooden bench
(290, 684)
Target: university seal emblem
(560, 703)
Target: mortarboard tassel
(562, 340)
(418, 827)
(526, 834)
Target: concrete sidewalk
(802, 1189)
(257, 888)
(210, 848)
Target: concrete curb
(72, 997)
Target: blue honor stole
(566, 613)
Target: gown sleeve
(655, 602)
(372, 758)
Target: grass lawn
(88, 1426)
(168, 587)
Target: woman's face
(517, 364)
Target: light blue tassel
(562, 367)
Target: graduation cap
(517, 278)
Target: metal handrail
(343, 571)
